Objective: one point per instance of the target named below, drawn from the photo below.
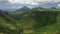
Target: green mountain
(41, 22)
(36, 21)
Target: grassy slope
(6, 24)
(49, 29)
(52, 29)
(27, 22)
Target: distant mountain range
(49, 5)
(23, 9)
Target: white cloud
(20, 1)
(42, 0)
(30, 6)
(33, 2)
(23, 2)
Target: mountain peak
(24, 9)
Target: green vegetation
(36, 21)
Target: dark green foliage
(4, 30)
(44, 18)
(1, 13)
(6, 13)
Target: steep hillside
(41, 22)
(6, 22)
(38, 21)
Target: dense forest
(30, 21)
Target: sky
(16, 4)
